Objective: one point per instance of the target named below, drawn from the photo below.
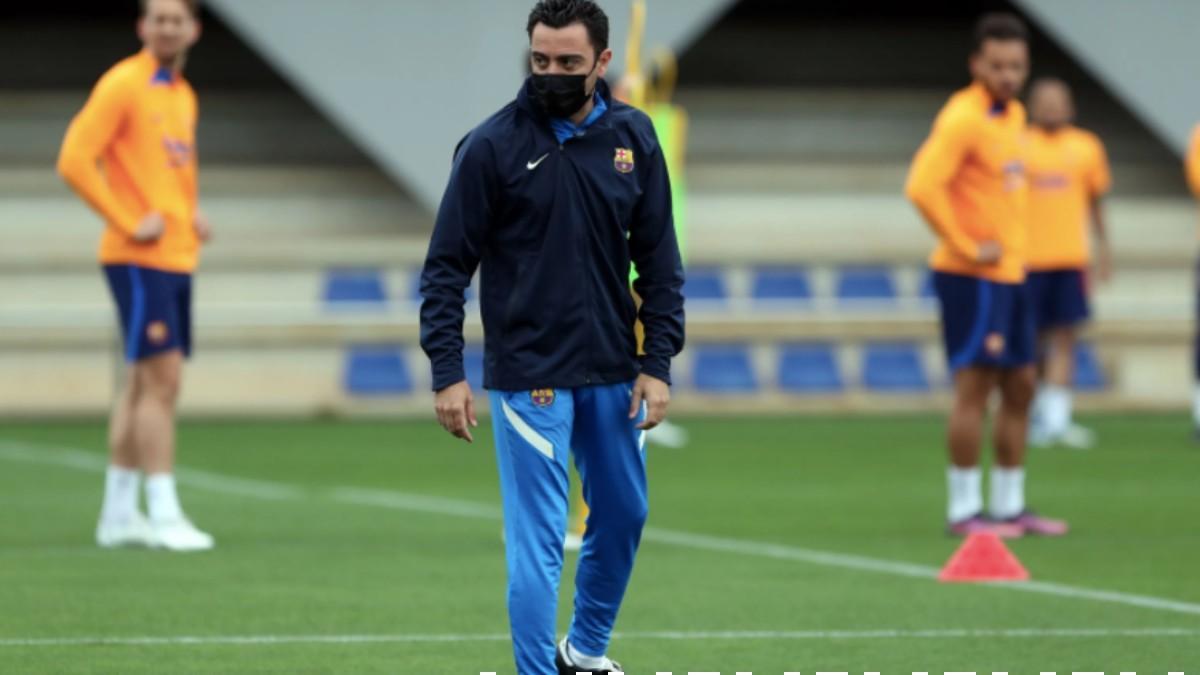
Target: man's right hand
(456, 410)
(990, 253)
(150, 229)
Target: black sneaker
(565, 667)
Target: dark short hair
(999, 26)
(193, 6)
(563, 13)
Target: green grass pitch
(374, 547)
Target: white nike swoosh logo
(534, 164)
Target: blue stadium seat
(473, 364)
(894, 367)
(782, 283)
(723, 369)
(865, 283)
(377, 371)
(705, 284)
(928, 292)
(1089, 373)
(354, 286)
(810, 368)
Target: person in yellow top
(1193, 163)
(968, 182)
(130, 154)
(1193, 176)
(1068, 176)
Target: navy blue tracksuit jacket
(554, 229)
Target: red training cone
(983, 557)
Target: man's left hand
(656, 394)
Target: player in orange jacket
(968, 181)
(1193, 176)
(1068, 177)
(130, 154)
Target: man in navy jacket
(554, 197)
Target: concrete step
(235, 127)
(265, 217)
(718, 174)
(300, 231)
(295, 380)
(228, 180)
(30, 329)
(1149, 292)
(844, 227)
(837, 123)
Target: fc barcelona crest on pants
(542, 398)
(624, 160)
(157, 332)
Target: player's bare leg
(1055, 400)
(158, 384)
(1017, 388)
(158, 381)
(972, 386)
(964, 436)
(121, 521)
(122, 449)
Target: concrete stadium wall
(382, 69)
(1144, 51)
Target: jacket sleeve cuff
(447, 374)
(658, 367)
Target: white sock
(966, 493)
(161, 499)
(1037, 410)
(120, 493)
(1196, 406)
(1008, 492)
(1056, 409)
(582, 660)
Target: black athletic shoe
(565, 667)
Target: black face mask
(561, 95)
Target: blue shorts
(154, 308)
(1059, 298)
(985, 323)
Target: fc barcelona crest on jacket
(624, 160)
(542, 398)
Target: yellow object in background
(671, 127)
(1193, 162)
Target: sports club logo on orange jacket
(624, 160)
(1014, 175)
(179, 153)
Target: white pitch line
(72, 458)
(69, 458)
(844, 561)
(786, 552)
(1063, 590)
(390, 499)
(679, 636)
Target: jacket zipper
(584, 249)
